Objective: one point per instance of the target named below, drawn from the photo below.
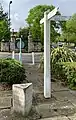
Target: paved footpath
(56, 118)
(61, 118)
(61, 106)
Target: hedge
(11, 71)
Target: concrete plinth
(22, 98)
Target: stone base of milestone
(22, 98)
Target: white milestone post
(33, 58)
(47, 73)
(20, 54)
(13, 54)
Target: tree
(4, 25)
(2, 14)
(24, 32)
(33, 20)
(69, 33)
(4, 32)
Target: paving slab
(7, 114)
(5, 102)
(73, 102)
(73, 92)
(56, 86)
(6, 93)
(5, 99)
(64, 96)
(44, 111)
(56, 118)
(73, 117)
(55, 109)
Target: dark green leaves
(4, 25)
(33, 20)
(11, 71)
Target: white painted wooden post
(33, 58)
(47, 89)
(47, 77)
(13, 54)
(46, 20)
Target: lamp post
(9, 24)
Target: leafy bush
(63, 63)
(11, 71)
(67, 72)
(60, 54)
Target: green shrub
(11, 71)
(67, 72)
(63, 65)
(60, 54)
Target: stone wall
(12, 46)
(33, 46)
(30, 44)
(5, 46)
(37, 46)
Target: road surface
(26, 57)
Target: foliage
(67, 72)
(4, 32)
(60, 54)
(4, 25)
(33, 20)
(3, 16)
(69, 33)
(11, 71)
(24, 32)
(63, 65)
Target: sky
(20, 9)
